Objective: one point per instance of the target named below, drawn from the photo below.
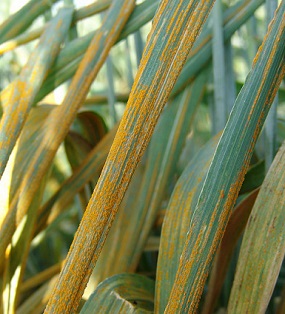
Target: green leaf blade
(22, 19)
(124, 293)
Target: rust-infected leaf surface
(228, 168)
(263, 246)
(57, 125)
(164, 56)
(91, 165)
(235, 227)
(22, 92)
(138, 210)
(176, 222)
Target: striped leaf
(70, 57)
(176, 222)
(263, 245)
(78, 15)
(55, 129)
(161, 160)
(23, 91)
(234, 229)
(165, 53)
(200, 55)
(228, 168)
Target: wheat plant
(142, 156)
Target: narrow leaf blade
(263, 246)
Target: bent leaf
(124, 293)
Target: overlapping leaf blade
(165, 53)
(263, 246)
(30, 161)
(22, 19)
(234, 229)
(234, 17)
(176, 222)
(23, 91)
(70, 57)
(124, 293)
(228, 168)
(88, 169)
(162, 158)
(54, 130)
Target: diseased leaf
(23, 90)
(165, 53)
(87, 11)
(45, 189)
(263, 246)
(70, 56)
(134, 209)
(88, 169)
(15, 257)
(234, 229)
(137, 217)
(176, 222)
(19, 160)
(228, 168)
(200, 55)
(55, 129)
